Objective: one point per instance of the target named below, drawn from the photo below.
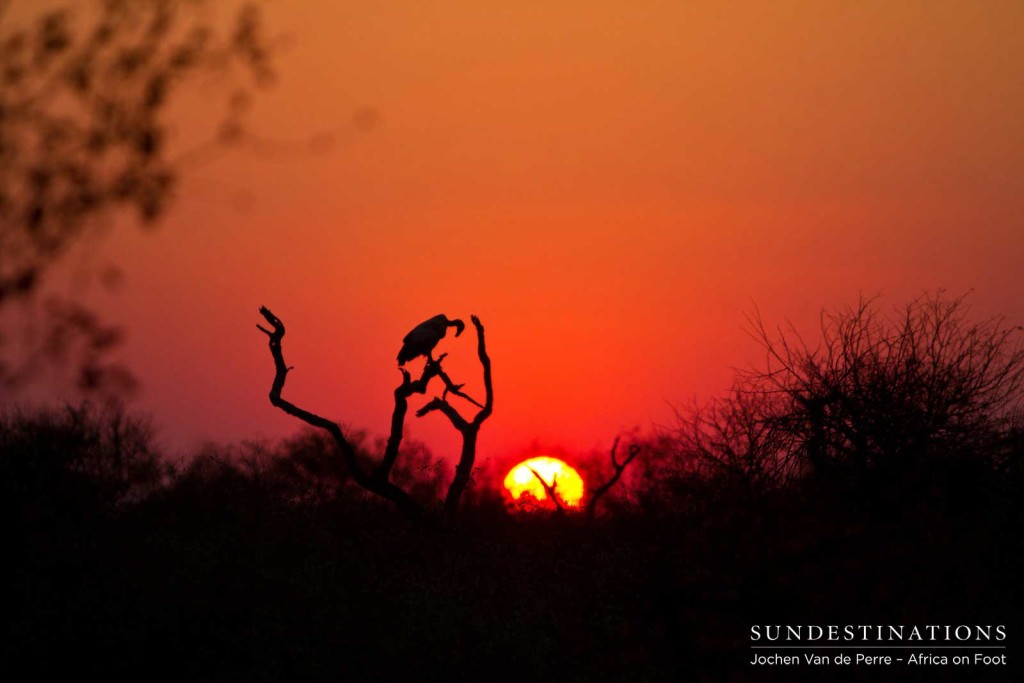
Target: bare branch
(634, 450)
(485, 361)
(468, 429)
(440, 404)
(451, 387)
(549, 489)
(380, 486)
(403, 391)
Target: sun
(564, 479)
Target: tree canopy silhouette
(875, 397)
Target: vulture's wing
(421, 334)
(427, 331)
(422, 339)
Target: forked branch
(403, 391)
(619, 468)
(550, 489)
(468, 428)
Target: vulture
(424, 337)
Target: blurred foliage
(86, 92)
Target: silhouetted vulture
(424, 337)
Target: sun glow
(524, 487)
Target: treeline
(870, 476)
(103, 458)
(878, 405)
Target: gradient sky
(610, 186)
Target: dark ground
(216, 578)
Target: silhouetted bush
(87, 455)
(880, 404)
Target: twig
(634, 450)
(549, 489)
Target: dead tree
(378, 480)
(468, 428)
(619, 468)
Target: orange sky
(609, 185)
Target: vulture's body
(425, 336)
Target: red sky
(610, 186)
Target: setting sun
(561, 477)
